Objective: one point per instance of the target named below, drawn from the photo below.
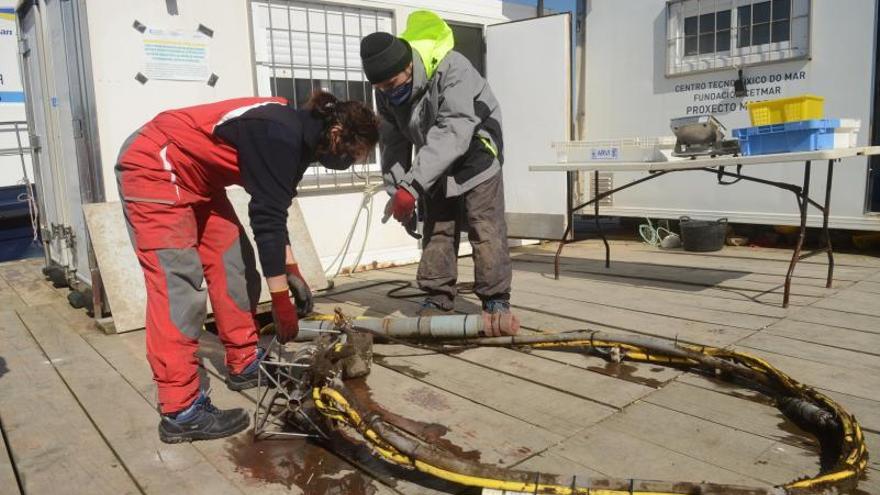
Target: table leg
(598, 223)
(569, 228)
(559, 250)
(803, 204)
(825, 213)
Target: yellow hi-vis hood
(430, 37)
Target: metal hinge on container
(69, 235)
(77, 128)
(35, 142)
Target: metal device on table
(701, 135)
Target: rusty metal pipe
(425, 327)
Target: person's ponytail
(360, 127)
(322, 105)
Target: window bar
(345, 69)
(290, 47)
(272, 50)
(327, 50)
(699, 32)
(317, 170)
(369, 87)
(335, 173)
(345, 56)
(790, 22)
(682, 38)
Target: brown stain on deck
(296, 463)
(626, 372)
(432, 433)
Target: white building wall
(123, 104)
(629, 95)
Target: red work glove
(284, 316)
(300, 290)
(403, 204)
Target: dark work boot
(430, 308)
(202, 421)
(249, 376)
(496, 306)
(498, 320)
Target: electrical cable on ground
(843, 454)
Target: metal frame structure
(716, 166)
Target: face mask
(336, 162)
(400, 95)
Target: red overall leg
(163, 234)
(233, 281)
(176, 301)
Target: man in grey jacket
(431, 98)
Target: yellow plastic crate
(804, 107)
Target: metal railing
(15, 142)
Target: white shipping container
(650, 61)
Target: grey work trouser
(483, 210)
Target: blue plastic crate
(805, 135)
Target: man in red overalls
(172, 174)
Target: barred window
(301, 47)
(704, 35)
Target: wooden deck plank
(712, 297)
(649, 271)
(814, 268)
(623, 454)
(586, 384)
(403, 481)
(28, 282)
(586, 313)
(872, 440)
(46, 428)
(870, 484)
(10, 300)
(840, 319)
(743, 314)
(752, 411)
(8, 481)
(750, 455)
(549, 409)
(431, 413)
(616, 290)
(549, 462)
(830, 377)
(757, 416)
(867, 287)
(125, 419)
(852, 301)
(770, 253)
(830, 336)
(866, 411)
(640, 373)
(853, 360)
(273, 467)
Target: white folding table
(716, 165)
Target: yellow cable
(856, 460)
